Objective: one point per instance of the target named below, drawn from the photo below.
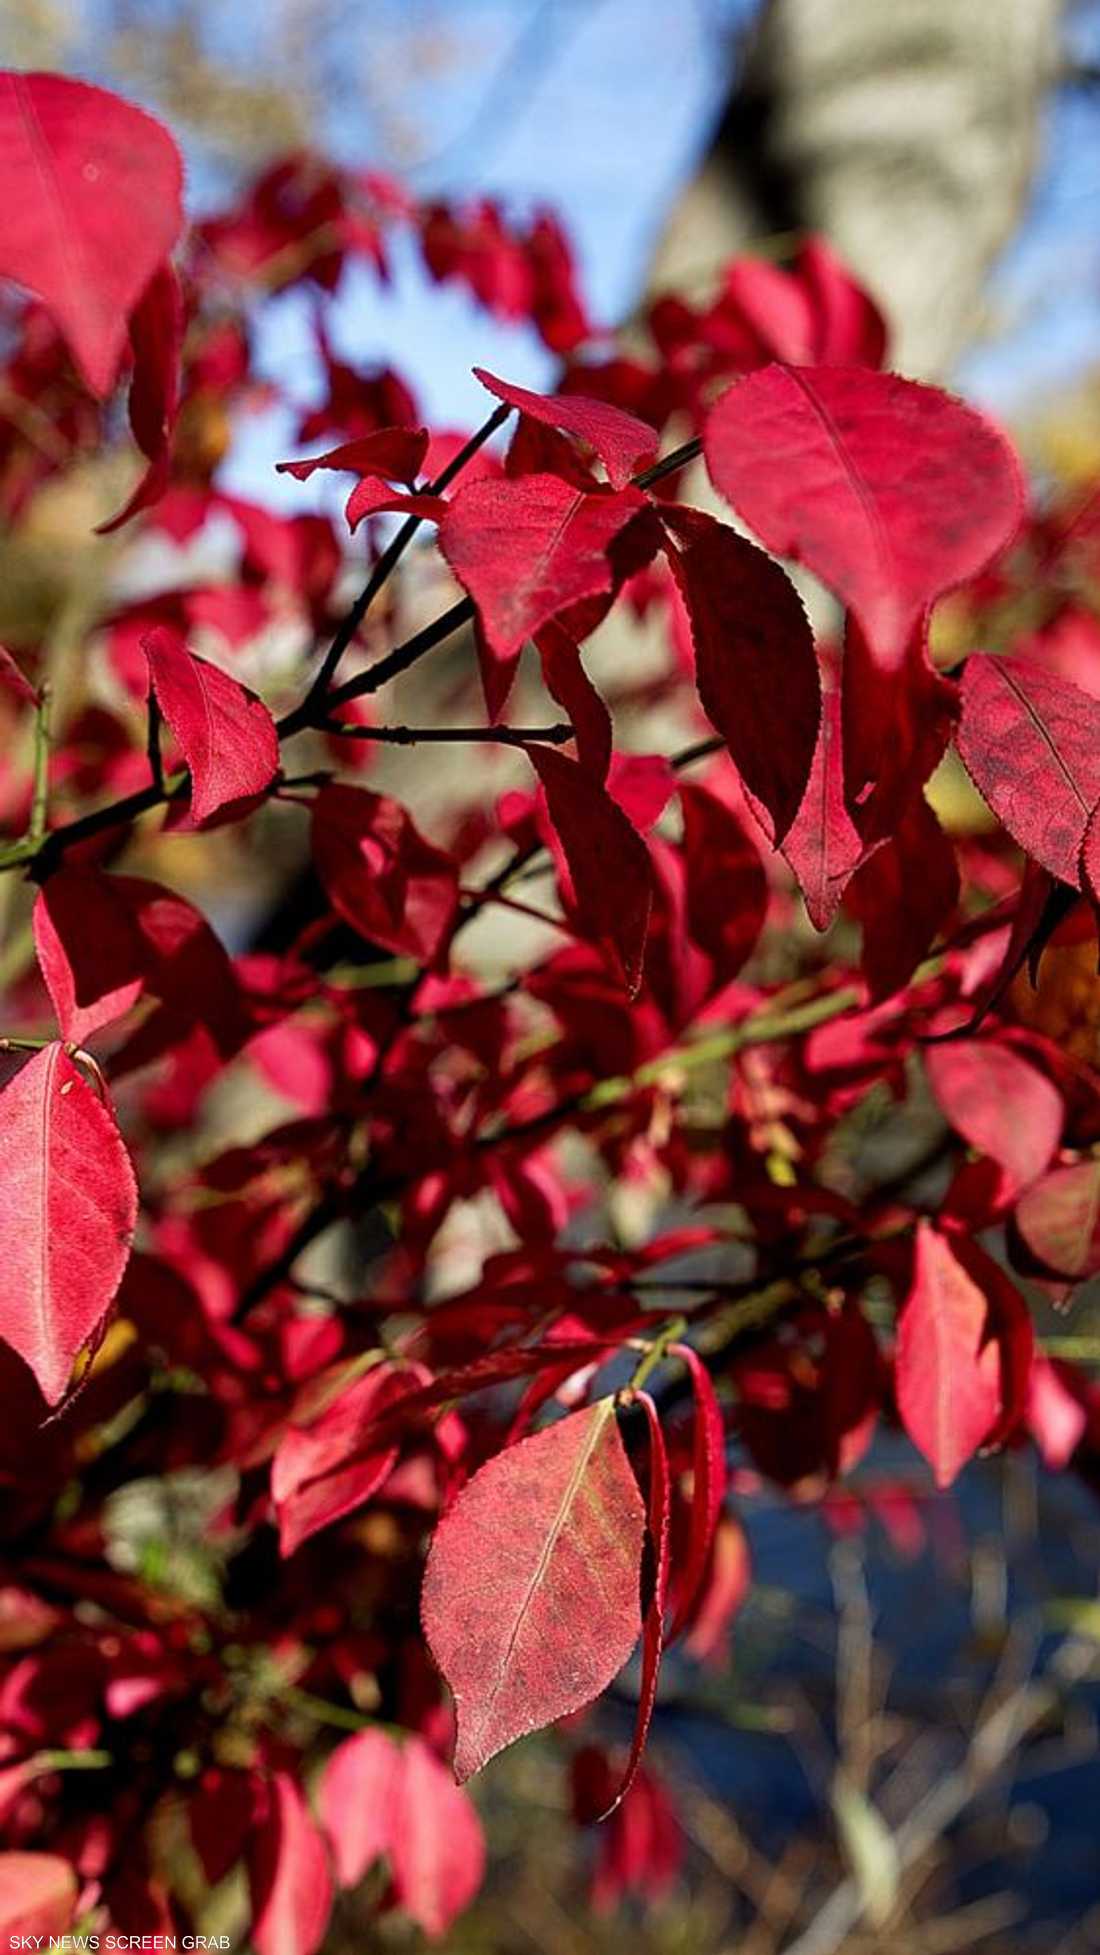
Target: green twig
(40, 792)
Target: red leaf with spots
(92, 202)
(1030, 742)
(527, 549)
(891, 492)
(530, 1601)
(623, 443)
(227, 735)
(68, 1204)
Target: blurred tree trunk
(905, 130)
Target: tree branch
(411, 736)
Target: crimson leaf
(530, 1602)
(755, 664)
(68, 1204)
(623, 443)
(891, 492)
(1030, 741)
(227, 735)
(526, 549)
(92, 201)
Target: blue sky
(600, 108)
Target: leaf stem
(40, 791)
(656, 1353)
(72, 1761)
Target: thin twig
(411, 736)
(389, 560)
(40, 792)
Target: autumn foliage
(441, 1514)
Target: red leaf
(1059, 1220)
(897, 723)
(623, 443)
(1090, 860)
(1000, 1104)
(642, 784)
(377, 1797)
(185, 963)
(813, 313)
(68, 1203)
(708, 1472)
(755, 664)
(530, 1602)
(903, 895)
(948, 1368)
(88, 950)
(288, 1875)
(890, 492)
(156, 332)
(92, 201)
(390, 884)
(823, 845)
(227, 735)
(392, 454)
(1030, 742)
(526, 549)
(653, 1630)
(724, 1589)
(437, 1849)
(221, 1812)
(320, 1471)
(1057, 1420)
(1011, 1327)
(373, 498)
(726, 886)
(356, 1799)
(38, 1896)
(14, 679)
(567, 681)
(492, 1368)
(607, 858)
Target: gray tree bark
(907, 131)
